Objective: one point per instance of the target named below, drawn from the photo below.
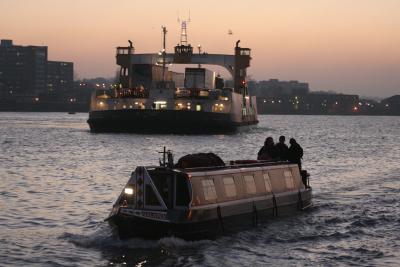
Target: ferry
(203, 197)
(150, 98)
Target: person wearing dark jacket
(281, 149)
(295, 152)
(268, 151)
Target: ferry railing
(198, 93)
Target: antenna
(184, 23)
(164, 29)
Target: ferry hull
(232, 219)
(163, 121)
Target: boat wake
(104, 238)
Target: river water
(59, 181)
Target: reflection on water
(58, 183)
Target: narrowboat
(200, 199)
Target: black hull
(163, 121)
(212, 225)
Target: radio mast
(184, 24)
(164, 29)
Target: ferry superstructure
(151, 98)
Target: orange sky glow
(346, 46)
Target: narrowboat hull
(209, 221)
(163, 121)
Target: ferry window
(209, 189)
(182, 191)
(160, 105)
(267, 182)
(218, 107)
(288, 179)
(250, 184)
(151, 198)
(204, 93)
(230, 188)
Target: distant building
(60, 76)
(393, 100)
(274, 87)
(309, 104)
(391, 105)
(26, 72)
(331, 103)
(22, 68)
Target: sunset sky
(350, 46)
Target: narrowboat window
(250, 184)
(288, 179)
(182, 191)
(151, 198)
(267, 182)
(209, 189)
(230, 187)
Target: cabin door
(183, 191)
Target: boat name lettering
(153, 215)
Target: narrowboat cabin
(206, 201)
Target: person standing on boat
(282, 149)
(295, 152)
(268, 151)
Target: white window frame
(250, 184)
(230, 186)
(267, 182)
(209, 191)
(288, 179)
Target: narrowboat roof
(229, 168)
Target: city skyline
(333, 45)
